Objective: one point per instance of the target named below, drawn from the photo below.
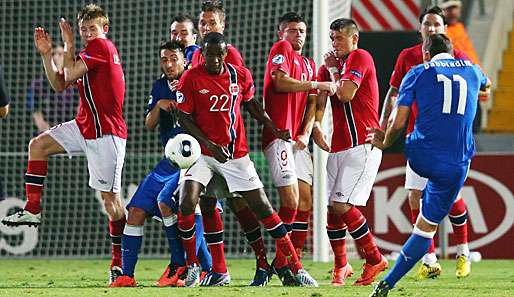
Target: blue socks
(412, 251)
(201, 246)
(174, 242)
(130, 246)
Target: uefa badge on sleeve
(180, 97)
(234, 89)
(278, 59)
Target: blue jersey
(168, 125)
(446, 93)
(189, 51)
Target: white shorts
(287, 164)
(239, 174)
(351, 174)
(413, 181)
(105, 155)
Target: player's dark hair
(183, 18)
(91, 12)
(438, 43)
(432, 10)
(215, 6)
(171, 45)
(344, 24)
(289, 17)
(214, 38)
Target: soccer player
(432, 21)
(4, 98)
(290, 90)
(441, 146)
(182, 31)
(99, 129)
(352, 163)
(210, 99)
(212, 19)
(155, 194)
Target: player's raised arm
(43, 44)
(73, 68)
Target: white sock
(429, 259)
(463, 249)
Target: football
(182, 151)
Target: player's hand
(485, 93)
(320, 138)
(327, 86)
(301, 142)
(173, 85)
(330, 59)
(42, 41)
(66, 32)
(283, 134)
(376, 137)
(219, 152)
(166, 104)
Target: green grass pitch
(20, 277)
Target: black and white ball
(182, 151)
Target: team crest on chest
(233, 89)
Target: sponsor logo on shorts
(103, 182)
(287, 176)
(253, 178)
(339, 194)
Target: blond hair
(92, 12)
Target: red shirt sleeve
(234, 57)
(398, 72)
(248, 86)
(280, 57)
(185, 92)
(356, 66)
(323, 74)
(94, 54)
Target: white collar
(442, 56)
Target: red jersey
(350, 119)
(214, 101)
(407, 59)
(233, 57)
(102, 91)
(286, 110)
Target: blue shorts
(443, 186)
(158, 186)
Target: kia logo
(388, 207)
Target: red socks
(253, 234)
(213, 226)
(459, 219)
(300, 230)
(116, 232)
(336, 230)
(358, 228)
(34, 179)
(187, 231)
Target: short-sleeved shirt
(168, 125)
(233, 57)
(407, 59)
(286, 110)
(102, 91)
(446, 93)
(57, 107)
(214, 102)
(350, 119)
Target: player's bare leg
(429, 267)
(252, 230)
(261, 207)
(114, 208)
(289, 198)
(40, 148)
(133, 232)
(300, 226)
(189, 195)
(358, 228)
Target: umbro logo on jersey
(203, 91)
(278, 59)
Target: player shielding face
(99, 129)
(432, 21)
(218, 126)
(352, 163)
(290, 90)
(441, 146)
